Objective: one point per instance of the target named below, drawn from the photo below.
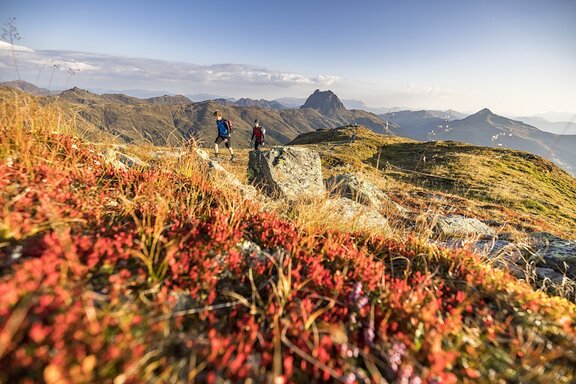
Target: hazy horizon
(515, 57)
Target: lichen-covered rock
(502, 254)
(292, 173)
(556, 253)
(120, 160)
(552, 275)
(356, 188)
(455, 226)
(358, 216)
(203, 157)
(216, 171)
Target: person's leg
(229, 146)
(218, 140)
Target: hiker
(224, 129)
(257, 135)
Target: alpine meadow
(166, 218)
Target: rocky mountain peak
(169, 100)
(78, 95)
(481, 116)
(325, 102)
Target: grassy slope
(517, 189)
(140, 276)
(132, 120)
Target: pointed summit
(482, 115)
(484, 111)
(326, 102)
(78, 95)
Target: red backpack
(258, 133)
(229, 125)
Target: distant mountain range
(169, 119)
(557, 127)
(419, 124)
(28, 87)
(488, 129)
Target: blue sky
(516, 57)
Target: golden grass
(149, 204)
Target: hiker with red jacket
(224, 129)
(257, 135)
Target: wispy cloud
(4, 46)
(112, 69)
(417, 89)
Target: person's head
(256, 123)
(217, 115)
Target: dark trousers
(257, 144)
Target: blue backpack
(224, 127)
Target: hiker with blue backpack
(224, 129)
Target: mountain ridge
(488, 129)
(170, 118)
(167, 120)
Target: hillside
(165, 273)
(421, 124)
(518, 189)
(169, 120)
(26, 87)
(488, 129)
(246, 102)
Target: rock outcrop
(327, 103)
(119, 160)
(295, 174)
(456, 226)
(548, 263)
(555, 253)
(358, 216)
(288, 172)
(214, 169)
(356, 188)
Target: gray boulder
(500, 253)
(555, 252)
(356, 215)
(552, 275)
(292, 173)
(204, 158)
(217, 172)
(356, 188)
(456, 226)
(119, 160)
